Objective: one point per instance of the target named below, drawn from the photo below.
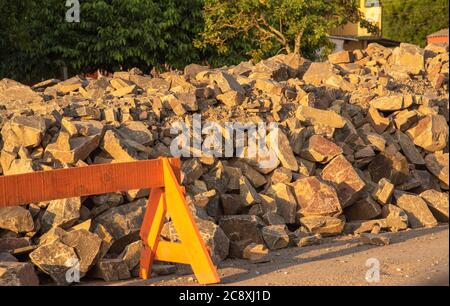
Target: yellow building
(352, 36)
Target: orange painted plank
(152, 224)
(187, 229)
(82, 181)
(171, 252)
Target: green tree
(36, 41)
(294, 26)
(411, 20)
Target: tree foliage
(298, 26)
(36, 40)
(411, 20)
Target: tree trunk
(298, 43)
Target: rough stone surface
(315, 197)
(419, 215)
(341, 174)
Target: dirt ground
(414, 257)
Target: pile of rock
(362, 149)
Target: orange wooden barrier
(162, 176)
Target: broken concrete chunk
(285, 201)
(111, 270)
(395, 218)
(248, 194)
(383, 191)
(275, 236)
(17, 274)
(123, 223)
(438, 165)
(391, 103)
(16, 219)
(227, 82)
(283, 149)
(409, 149)
(390, 165)
(323, 225)
(314, 116)
(363, 209)
(63, 213)
(319, 149)
(431, 133)
(340, 57)
(438, 203)
(419, 215)
(55, 259)
(409, 57)
(315, 197)
(341, 174)
(242, 227)
(86, 245)
(378, 122)
(24, 131)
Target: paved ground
(414, 257)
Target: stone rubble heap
(362, 149)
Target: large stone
(10, 244)
(383, 191)
(275, 236)
(409, 149)
(55, 259)
(17, 274)
(123, 223)
(323, 225)
(431, 133)
(136, 131)
(438, 165)
(231, 98)
(232, 204)
(395, 218)
(363, 209)
(283, 150)
(340, 57)
(118, 148)
(378, 122)
(341, 174)
(315, 197)
(318, 73)
(409, 57)
(227, 82)
(132, 254)
(111, 269)
(315, 116)
(71, 150)
(419, 215)
(25, 131)
(14, 94)
(242, 228)
(391, 103)
(248, 194)
(438, 203)
(285, 201)
(63, 213)
(391, 165)
(319, 149)
(86, 245)
(16, 219)
(191, 170)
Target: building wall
(372, 13)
